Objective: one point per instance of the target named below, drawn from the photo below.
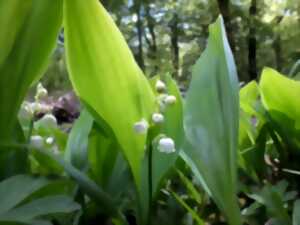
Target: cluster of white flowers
(29, 109)
(164, 100)
(164, 144)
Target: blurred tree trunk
(174, 44)
(139, 27)
(252, 67)
(277, 44)
(224, 10)
(152, 43)
(278, 52)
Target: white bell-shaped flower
(160, 86)
(170, 99)
(41, 92)
(157, 118)
(166, 145)
(141, 126)
(36, 141)
(50, 140)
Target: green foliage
(140, 153)
(15, 209)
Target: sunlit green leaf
(105, 75)
(283, 105)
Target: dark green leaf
(77, 147)
(16, 189)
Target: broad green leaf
(282, 106)
(211, 119)
(12, 17)
(285, 101)
(77, 147)
(105, 75)
(41, 207)
(16, 189)
(27, 58)
(296, 213)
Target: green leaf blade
(211, 121)
(77, 146)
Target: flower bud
(35, 107)
(160, 86)
(166, 145)
(36, 141)
(141, 127)
(26, 111)
(50, 140)
(157, 118)
(170, 100)
(41, 92)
